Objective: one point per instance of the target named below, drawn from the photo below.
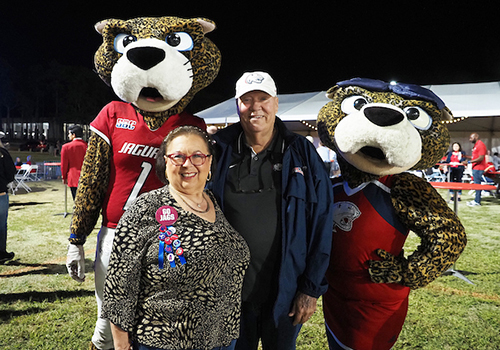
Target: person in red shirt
(72, 154)
(478, 161)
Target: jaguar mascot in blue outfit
(380, 131)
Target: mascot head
(383, 128)
(157, 64)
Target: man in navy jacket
(273, 188)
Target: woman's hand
(121, 339)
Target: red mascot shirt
(134, 147)
(361, 314)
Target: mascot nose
(383, 116)
(146, 57)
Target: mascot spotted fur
(380, 131)
(155, 65)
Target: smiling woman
(167, 150)
(187, 162)
(195, 261)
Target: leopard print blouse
(192, 306)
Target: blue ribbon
(161, 254)
(169, 248)
(182, 259)
(172, 262)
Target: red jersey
(134, 147)
(478, 150)
(362, 314)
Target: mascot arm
(422, 209)
(92, 188)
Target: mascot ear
(446, 114)
(331, 91)
(206, 24)
(99, 26)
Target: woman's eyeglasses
(197, 159)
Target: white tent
(470, 100)
(478, 101)
(464, 100)
(292, 107)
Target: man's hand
(75, 262)
(303, 308)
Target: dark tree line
(50, 93)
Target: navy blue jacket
(306, 209)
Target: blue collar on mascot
(410, 91)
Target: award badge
(169, 241)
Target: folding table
(455, 187)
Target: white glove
(75, 262)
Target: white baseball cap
(252, 81)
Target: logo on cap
(254, 78)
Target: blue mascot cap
(411, 91)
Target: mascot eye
(418, 117)
(122, 40)
(353, 104)
(180, 41)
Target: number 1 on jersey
(146, 169)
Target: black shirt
(253, 207)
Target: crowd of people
(70, 165)
(232, 250)
(479, 164)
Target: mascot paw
(388, 270)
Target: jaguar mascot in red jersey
(380, 131)
(156, 66)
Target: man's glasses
(197, 159)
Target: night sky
(305, 48)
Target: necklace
(199, 205)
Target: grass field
(41, 307)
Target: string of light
(313, 127)
(454, 120)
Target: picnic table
(455, 187)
